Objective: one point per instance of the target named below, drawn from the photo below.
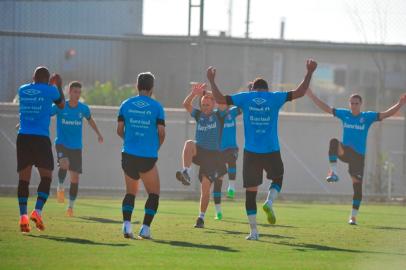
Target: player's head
(75, 90)
(145, 82)
(355, 103)
(259, 84)
(207, 102)
(41, 75)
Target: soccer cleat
(69, 212)
(127, 232)
(230, 193)
(144, 233)
(199, 223)
(270, 214)
(219, 216)
(37, 219)
(183, 177)
(332, 177)
(60, 195)
(252, 236)
(24, 224)
(352, 221)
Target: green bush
(107, 94)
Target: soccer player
(352, 148)
(68, 141)
(229, 147)
(205, 150)
(33, 143)
(261, 152)
(141, 124)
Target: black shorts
(356, 162)
(230, 156)
(134, 165)
(254, 164)
(211, 163)
(34, 150)
(73, 155)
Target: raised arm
(300, 91)
(197, 90)
(394, 109)
(321, 104)
(93, 125)
(56, 80)
(218, 96)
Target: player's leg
(232, 172)
(217, 186)
(356, 170)
(189, 151)
(73, 192)
(152, 186)
(23, 193)
(63, 164)
(204, 200)
(335, 151)
(251, 210)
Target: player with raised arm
(352, 148)
(68, 141)
(141, 125)
(261, 151)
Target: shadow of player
(76, 240)
(194, 245)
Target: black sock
(61, 175)
(73, 191)
(217, 191)
(232, 170)
(151, 207)
(251, 202)
(333, 150)
(128, 206)
(43, 192)
(357, 198)
(22, 194)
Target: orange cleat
(60, 196)
(37, 219)
(69, 212)
(24, 224)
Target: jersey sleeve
(234, 111)
(54, 94)
(86, 112)
(54, 110)
(280, 98)
(239, 99)
(161, 116)
(372, 116)
(339, 113)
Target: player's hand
(198, 89)
(402, 99)
(211, 74)
(56, 80)
(100, 139)
(311, 65)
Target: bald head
(41, 75)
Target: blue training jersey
(69, 122)
(356, 128)
(35, 108)
(141, 116)
(260, 116)
(229, 134)
(208, 129)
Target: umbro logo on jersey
(31, 92)
(259, 101)
(362, 120)
(141, 104)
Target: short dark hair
(260, 83)
(75, 84)
(41, 75)
(145, 81)
(356, 96)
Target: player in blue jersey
(261, 151)
(352, 148)
(205, 150)
(68, 141)
(33, 143)
(229, 147)
(141, 124)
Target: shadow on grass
(388, 228)
(261, 235)
(76, 240)
(259, 224)
(194, 245)
(316, 247)
(103, 220)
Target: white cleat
(252, 236)
(127, 231)
(352, 221)
(145, 233)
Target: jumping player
(68, 141)
(205, 150)
(33, 143)
(352, 148)
(141, 124)
(261, 152)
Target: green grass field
(307, 236)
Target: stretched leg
(274, 190)
(356, 200)
(189, 151)
(217, 197)
(335, 150)
(73, 191)
(152, 186)
(131, 185)
(23, 193)
(63, 169)
(204, 201)
(251, 209)
(43, 194)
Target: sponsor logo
(259, 101)
(140, 104)
(31, 92)
(362, 120)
